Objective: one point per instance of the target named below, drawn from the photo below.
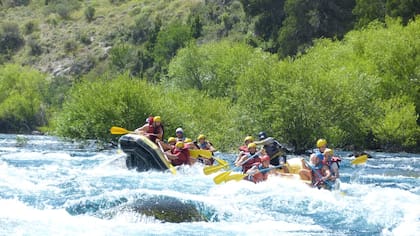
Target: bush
(89, 13)
(30, 27)
(10, 38)
(22, 106)
(35, 49)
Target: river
(49, 186)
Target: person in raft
(249, 158)
(259, 170)
(170, 145)
(317, 172)
(179, 156)
(244, 148)
(153, 129)
(179, 132)
(202, 143)
(274, 150)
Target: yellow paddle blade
(212, 169)
(172, 169)
(222, 162)
(199, 152)
(236, 177)
(221, 177)
(359, 160)
(119, 130)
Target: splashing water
(53, 187)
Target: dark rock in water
(168, 209)
(162, 208)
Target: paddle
(201, 153)
(168, 163)
(212, 169)
(119, 130)
(221, 177)
(359, 160)
(240, 176)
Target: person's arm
(241, 160)
(264, 141)
(238, 158)
(142, 130)
(159, 135)
(210, 147)
(171, 156)
(327, 173)
(253, 170)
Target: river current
(49, 186)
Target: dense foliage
(295, 69)
(22, 99)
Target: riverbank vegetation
(214, 74)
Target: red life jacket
(243, 148)
(154, 130)
(332, 160)
(249, 163)
(183, 157)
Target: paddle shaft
(318, 174)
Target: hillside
(74, 46)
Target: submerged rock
(168, 209)
(162, 208)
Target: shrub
(35, 49)
(10, 38)
(89, 13)
(22, 106)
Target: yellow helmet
(252, 145)
(201, 136)
(249, 138)
(171, 139)
(179, 145)
(321, 142)
(187, 140)
(329, 151)
(157, 119)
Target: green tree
(22, 101)
(406, 9)
(169, 40)
(367, 11)
(396, 129)
(213, 67)
(268, 16)
(307, 20)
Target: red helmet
(265, 158)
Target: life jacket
(243, 148)
(202, 146)
(249, 163)
(154, 130)
(332, 160)
(183, 157)
(273, 149)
